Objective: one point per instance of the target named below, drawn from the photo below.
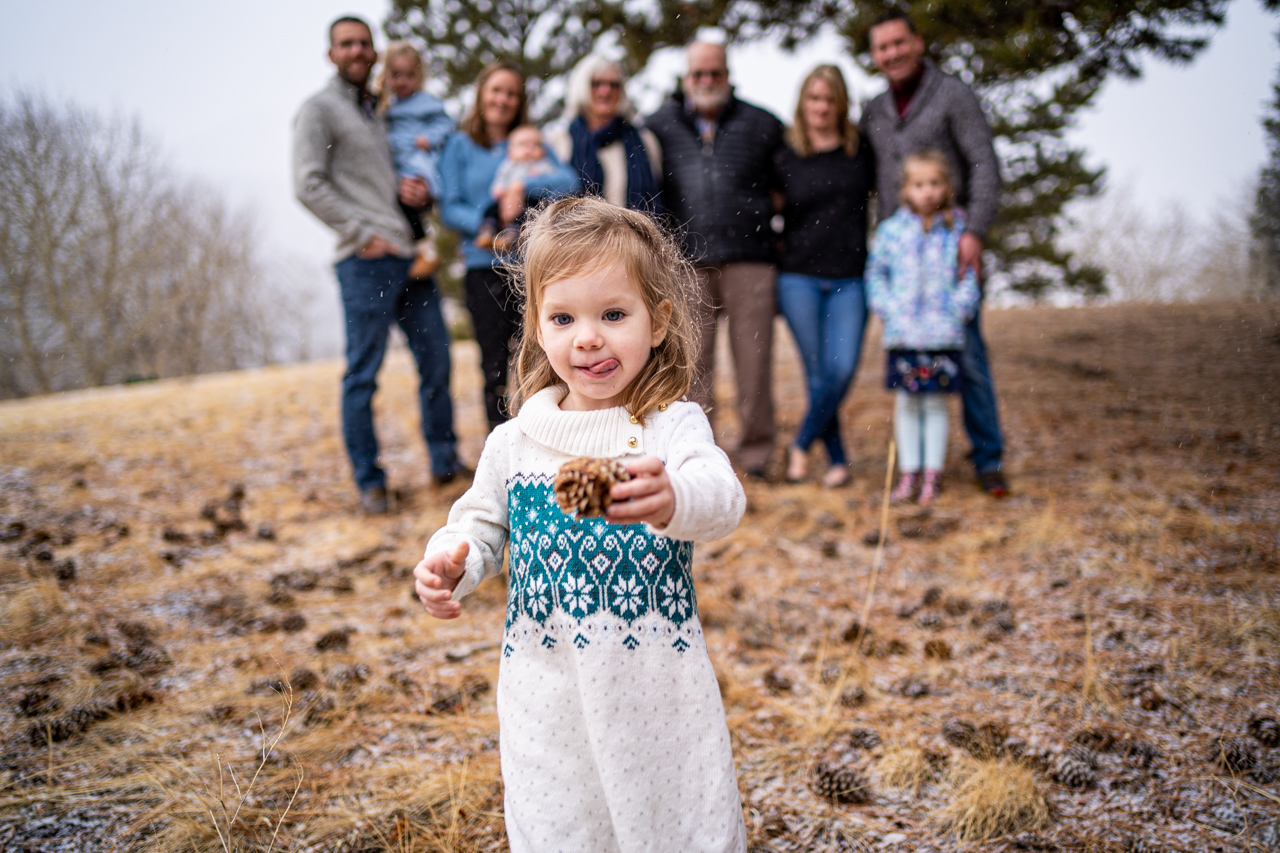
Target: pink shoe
(906, 488)
(930, 488)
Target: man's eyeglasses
(712, 74)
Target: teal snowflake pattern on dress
(583, 580)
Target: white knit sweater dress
(613, 735)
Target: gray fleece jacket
(342, 170)
(943, 114)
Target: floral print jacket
(912, 286)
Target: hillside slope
(203, 643)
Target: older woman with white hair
(613, 157)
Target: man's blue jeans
(376, 293)
(978, 394)
(827, 318)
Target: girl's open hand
(435, 579)
(646, 498)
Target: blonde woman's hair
(798, 133)
(935, 158)
(572, 236)
(395, 50)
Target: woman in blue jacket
(468, 164)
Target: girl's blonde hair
(935, 158)
(572, 236)
(798, 133)
(396, 50)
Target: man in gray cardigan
(925, 108)
(342, 172)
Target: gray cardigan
(342, 170)
(943, 114)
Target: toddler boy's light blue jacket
(912, 286)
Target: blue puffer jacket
(911, 283)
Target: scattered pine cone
(336, 640)
(955, 605)
(775, 682)
(582, 485)
(853, 697)
(36, 702)
(1265, 730)
(1233, 754)
(1082, 754)
(932, 596)
(937, 649)
(961, 733)
(68, 725)
(348, 676)
(839, 783)
(1074, 773)
(293, 622)
(864, 739)
(831, 673)
(1095, 737)
(303, 679)
(930, 621)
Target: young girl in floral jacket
(912, 286)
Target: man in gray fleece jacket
(925, 108)
(343, 173)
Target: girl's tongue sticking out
(604, 366)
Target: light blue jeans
(827, 318)
(920, 427)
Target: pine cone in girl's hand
(582, 485)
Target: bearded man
(717, 163)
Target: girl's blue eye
(561, 319)
(613, 316)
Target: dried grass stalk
(904, 767)
(993, 798)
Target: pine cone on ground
(582, 485)
(864, 739)
(853, 697)
(1074, 773)
(1265, 730)
(961, 733)
(1233, 754)
(839, 783)
(1083, 754)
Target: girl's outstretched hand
(436, 577)
(646, 498)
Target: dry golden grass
(905, 767)
(1131, 583)
(992, 798)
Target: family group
(373, 156)
(601, 253)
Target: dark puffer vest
(719, 193)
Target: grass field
(204, 646)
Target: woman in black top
(826, 174)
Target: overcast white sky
(218, 84)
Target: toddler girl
(526, 159)
(613, 735)
(912, 286)
(416, 127)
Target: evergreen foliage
(1265, 221)
(1035, 63)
